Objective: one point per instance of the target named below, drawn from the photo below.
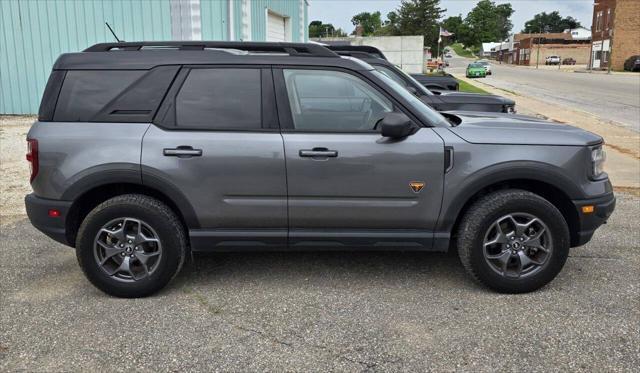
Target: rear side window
(85, 93)
(220, 99)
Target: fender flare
(131, 174)
(503, 172)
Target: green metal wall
(33, 33)
(214, 19)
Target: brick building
(532, 48)
(615, 33)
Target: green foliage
(486, 22)
(420, 17)
(550, 22)
(370, 22)
(462, 51)
(318, 29)
(454, 25)
(468, 87)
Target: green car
(476, 70)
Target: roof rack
(357, 49)
(293, 49)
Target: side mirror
(397, 125)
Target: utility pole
(539, 37)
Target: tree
(390, 25)
(317, 29)
(487, 22)
(552, 22)
(370, 22)
(454, 25)
(420, 17)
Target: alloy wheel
(127, 249)
(517, 245)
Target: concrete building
(404, 51)
(615, 33)
(34, 33)
(487, 48)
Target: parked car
(476, 70)
(568, 61)
(441, 101)
(487, 66)
(448, 55)
(632, 63)
(140, 156)
(552, 60)
(442, 82)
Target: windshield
(397, 75)
(474, 65)
(432, 116)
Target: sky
(339, 12)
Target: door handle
(319, 153)
(182, 151)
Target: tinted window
(220, 99)
(333, 101)
(85, 93)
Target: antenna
(112, 32)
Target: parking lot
(362, 311)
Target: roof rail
(293, 49)
(358, 49)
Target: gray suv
(144, 152)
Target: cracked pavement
(331, 311)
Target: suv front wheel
(131, 245)
(513, 241)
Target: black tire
(154, 213)
(478, 220)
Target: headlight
(598, 157)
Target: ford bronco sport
(143, 152)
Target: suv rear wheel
(513, 241)
(131, 246)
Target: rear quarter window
(85, 93)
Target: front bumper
(38, 212)
(588, 222)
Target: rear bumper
(38, 212)
(589, 222)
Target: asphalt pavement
(613, 97)
(338, 311)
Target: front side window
(220, 99)
(323, 100)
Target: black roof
(146, 55)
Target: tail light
(32, 157)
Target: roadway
(612, 97)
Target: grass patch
(462, 51)
(467, 87)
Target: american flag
(444, 32)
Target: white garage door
(275, 27)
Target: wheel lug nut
(129, 241)
(121, 245)
(122, 254)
